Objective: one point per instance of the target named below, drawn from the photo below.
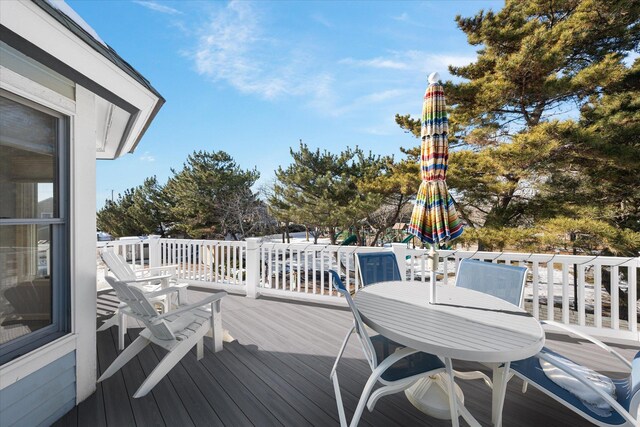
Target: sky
(255, 78)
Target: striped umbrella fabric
(434, 219)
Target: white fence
(605, 287)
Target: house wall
(41, 397)
(43, 384)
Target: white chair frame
(176, 331)
(368, 397)
(632, 418)
(149, 280)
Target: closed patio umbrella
(434, 219)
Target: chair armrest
(161, 268)
(610, 400)
(163, 291)
(182, 309)
(588, 338)
(149, 278)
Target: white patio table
(463, 324)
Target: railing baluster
(550, 291)
(322, 270)
(299, 277)
(565, 293)
(632, 280)
(534, 285)
(581, 302)
(597, 287)
(445, 268)
(615, 307)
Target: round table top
(463, 324)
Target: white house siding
(42, 396)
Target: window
(34, 259)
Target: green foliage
(139, 211)
(335, 191)
(211, 197)
(517, 165)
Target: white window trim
(40, 357)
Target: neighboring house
(66, 98)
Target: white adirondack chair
(149, 280)
(176, 331)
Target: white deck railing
(300, 271)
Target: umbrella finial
(434, 77)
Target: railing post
(154, 251)
(400, 250)
(253, 266)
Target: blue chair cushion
(377, 267)
(415, 364)
(531, 370)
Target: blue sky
(253, 78)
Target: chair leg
(129, 353)
(216, 325)
(200, 349)
(365, 397)
(170, 360)
(112, 321)
(387, 390)
(122, 329)
(336, 384)
(336, 389)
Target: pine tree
(517, 165)
(201, 196)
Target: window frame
(60, 235)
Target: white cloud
(234, 48)
(374, 63)
(320, 19)
(403, 17)
(157, 7)
(147, 157)
(411, 60)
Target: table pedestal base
(430, 395)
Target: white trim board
(14, 371)
(30, 22)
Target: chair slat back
(118, 265)
(378, 267)
(500, 280)
(365, 340)
(141, 308)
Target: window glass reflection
(25, 279)
(28, 179)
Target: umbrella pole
(433, 264)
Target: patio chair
(149, 280)
(595, 397)
(395, 366)
(499, 280)
(378, 267)
(176, 331)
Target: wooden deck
(277, 373)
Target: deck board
(277, 373)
